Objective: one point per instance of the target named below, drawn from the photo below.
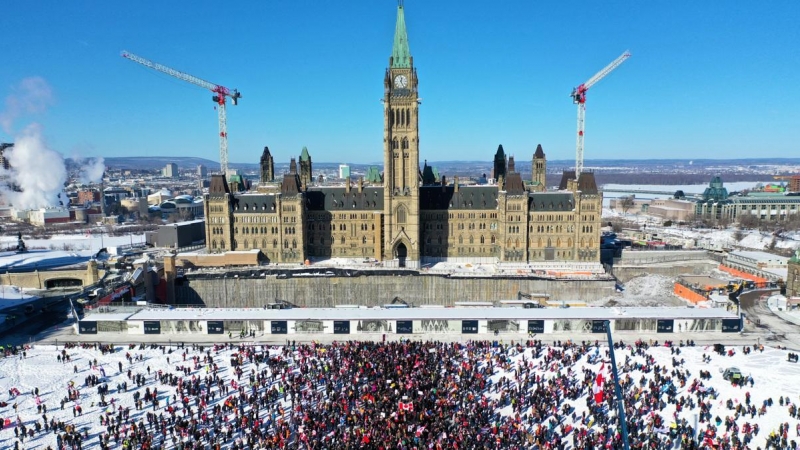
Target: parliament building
(406, 216)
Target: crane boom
(579, 97)
(221, 92)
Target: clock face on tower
(400, 81)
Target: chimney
(511, 165)
(455, 184)
(347, 185)
(444, 183)
(360, 184)
(292, 167)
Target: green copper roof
(304, 155)
(401, 56)
(373, 175)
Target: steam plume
(37, 171)
(91, 170)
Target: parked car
(732, 373)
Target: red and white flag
(405, 406)
(597, 389)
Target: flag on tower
(597, 389)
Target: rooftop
(759, 256)
(377, 313)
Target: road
(767, 324)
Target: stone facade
(410, 216)
(267, 166)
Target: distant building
(170, 170)
(4, 147)
(202, 171)
(183, 205)
(88, 196)
(767, 206)
(761, 264)
(115, 194)
(46, 216)
(344, 171)
(159, 197)
(136, 206)
(178, 235)
(716, 204)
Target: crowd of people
(385, 395)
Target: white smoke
(91, 170)
(37, 172)
(31, 95)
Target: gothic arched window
(401, 214)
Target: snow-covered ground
(774, 379)
(710, 238)
(58, 251)
(74, 242)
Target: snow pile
(646, 290)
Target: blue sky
(711, 79)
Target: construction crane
(220, 94)
(579, 97)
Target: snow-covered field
(58, 251)
(774, 379)
(74, 242)
(711, 238)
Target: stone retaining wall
(377, 290)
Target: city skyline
(702, 82)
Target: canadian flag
(405, 406)
(597, 389)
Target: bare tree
(748, 221)
(627, 203)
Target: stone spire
(306, 176)
(401, 56)
(499, 164)
(267, 166)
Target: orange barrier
(687, 293)
(760, 281)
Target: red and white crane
(220, 94)
(579, 96)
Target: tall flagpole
(617, 390)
